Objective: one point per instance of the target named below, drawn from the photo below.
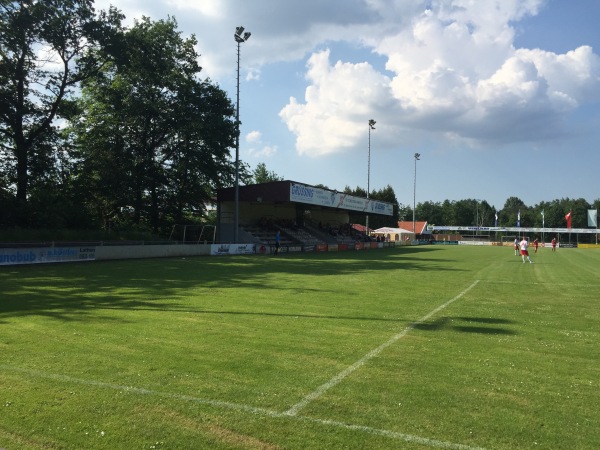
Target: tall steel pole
(240, 37)
(371, 127)
(417, 156)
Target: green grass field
(409, 348)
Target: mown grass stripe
(349, 370)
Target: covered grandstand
(306, 216)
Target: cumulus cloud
(337, 99)
(456, 72)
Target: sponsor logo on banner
(232, 249)
(12, 256)
(324, 197)
(301, 191)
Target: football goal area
(193, 234)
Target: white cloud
(337, 98)
(266, 151)
(456, 72)
(254, 137)
(259, 149)
(215, 9)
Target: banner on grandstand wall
(302, 193)
(232, 249)
(593, 218)
(12, 256)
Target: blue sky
(500, 97)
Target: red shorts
(524, 253)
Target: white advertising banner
(232, 249)
(12, 256)
(322, 197)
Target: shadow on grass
(71, 291)
(264, 314)
(449, 323)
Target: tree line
(475, 212)
(105, 126)
(102, 124)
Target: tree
(262, 175)
(508, 215)
(34, 83)
(465, 212)
(430, 212)
(554, 217)
(448, 213)
(404, 212)
(151, 137)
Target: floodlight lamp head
(417, 156)
(372, 124)
(239, 30)
(247, 35)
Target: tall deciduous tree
(152, 138)
(430, 211)
(43, 48)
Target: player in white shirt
(524, 252)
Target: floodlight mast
(371, 127)
(417, 158)
(240, 36)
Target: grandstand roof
(288, 191)
(276, 191)
(420, 227)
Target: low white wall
(151, 251)
(82, 253)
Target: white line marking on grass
(343, 374)
(140, 391)
(544, 283)
(239, 407)
(393, 434)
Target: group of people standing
(521, 248)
